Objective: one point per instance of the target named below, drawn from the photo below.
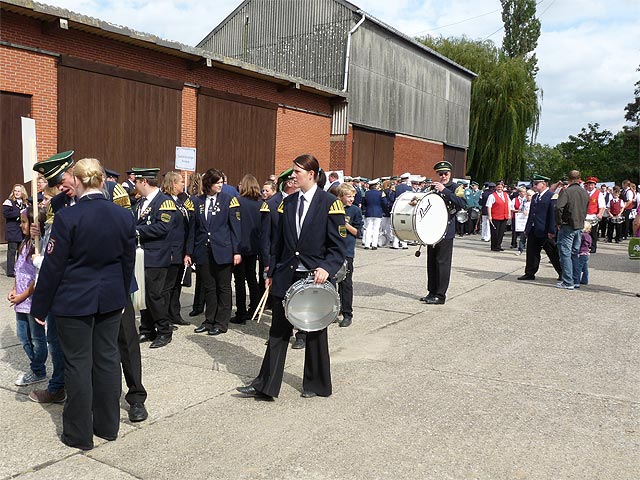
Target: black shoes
(195, 313)
(308, 394)
(145, 337)
(298, 344)
(345, 322)
(161, 341)
(201, 329)
(137, 412)
(215, 331)
(180, 321)
(428, 297)
(238, 320)
(435, 300)
(527, 277)
(250, 391)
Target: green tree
(504, 107)
(521, 31)
(545, 160)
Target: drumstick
(261, 305)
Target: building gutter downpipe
(346, 63)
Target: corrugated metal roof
(146, 40)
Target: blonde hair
(90, 173)
(170, 178)
(24, 192)
(345, 189)
(587, 227)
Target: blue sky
(588, 51)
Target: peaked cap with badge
(53, 168)
(443, 166)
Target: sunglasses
(442, 174)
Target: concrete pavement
(507, 380)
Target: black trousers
(439, 267)
(198, 294)
(460, 227)
(603, 226)
(246, 272)
(627, 226)
(92, 377)
(317, 368)
(614, 227)
(472, 224)
(594, 241)
(129, 347)
(154, 320)
(168, 289)
(216, 279)
(12, 254)
(534, 247)
(345, 289)
(174, 296)
(497, 228)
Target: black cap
(111, 173)
(148, 173)
(443, 166)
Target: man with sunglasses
(439, 255)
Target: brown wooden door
(236, 135)
(372, 153)
(121, 118)
(458, 158)
(12, 107)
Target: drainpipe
(346, 63)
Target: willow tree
(505, 109)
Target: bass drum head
(311, 307)
(431, 219)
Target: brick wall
(299, 132)
(416, 155)
(34, 74)
(338, 159)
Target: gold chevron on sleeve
(120, 196)
(188, 204)
(337, 208)
(281, 207)
(264, 207)
(168, 205)
(234, 203)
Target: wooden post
(34, 192)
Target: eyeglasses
(442, 174)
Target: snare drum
(462, 216)
(474, 213)
(592, 219)
(420, 217)
(342, 273)
(619, 219)
(310, 307)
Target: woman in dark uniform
(310, 237)
(250, 203)
(84, 282)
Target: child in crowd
(616, 207)
(353, 223)
(581, 276)
(31, 334)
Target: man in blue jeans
(570, 212)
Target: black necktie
(301, 210)
(210, 209)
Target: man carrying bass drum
(310, 237)
(439, 255)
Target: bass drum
(420, 217)
(310, 307)
(474, 213)
(462, 216)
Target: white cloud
(588, 51)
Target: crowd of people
(302, 224)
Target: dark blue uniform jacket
(374, 203)
(270, 217)
(220, 232)
(154, 227)
(321, 243)
(541, 220)
(250, 242)
(11, 212)
(88, 262)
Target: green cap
(539, 178)
(53, 168)
(148, 173)
(443, 166)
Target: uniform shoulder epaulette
(50, 214)
(8, 203)
(264, 208)
(120, 196)
(337, 208)
(234, 203)
(281, 207)
(554, 197)
(168, 205)
(393, 188)
(188, 204)
(384, 194)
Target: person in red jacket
(498, 213)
